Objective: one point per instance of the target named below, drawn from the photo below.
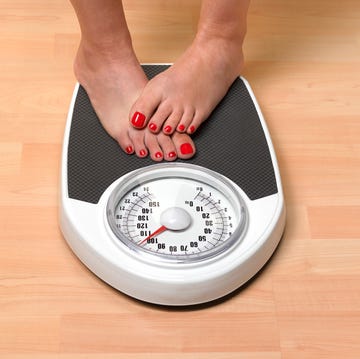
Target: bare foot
(113, 82)
(183, 96)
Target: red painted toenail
(181, 127)
(138, 119)
(158, 155)
(142, 153)
(167, 129)
(172, 154)
(129, 149)
(152, 127)
(192, 129)
(186, 149)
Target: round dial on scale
(177, 212)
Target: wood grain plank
(169, 332)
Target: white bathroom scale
(173, 233)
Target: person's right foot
(113, 82)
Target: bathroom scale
(173, 233)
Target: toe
(197, 120)
(152, 143)
(184, 145)
(168, 147)
(125, 142)
(137, 138)
(185, 120)
(144, 107)
(159, 117)
(172, 122)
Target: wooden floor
(303, 62)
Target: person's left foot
(182, 97)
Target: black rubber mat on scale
(230, 142)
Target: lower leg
(102, 23)
(106, 65)
(183, 97)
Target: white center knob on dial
(175, 218)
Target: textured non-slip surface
(231, 142)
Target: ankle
(96, 56)
(226, 53)
(230, 32)
(108, 47)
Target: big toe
(144, 107)
(185, 147)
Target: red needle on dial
(158, 231)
